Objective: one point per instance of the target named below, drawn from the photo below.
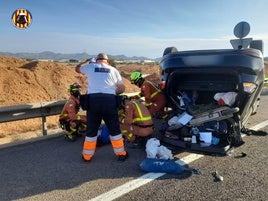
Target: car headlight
(249, 87)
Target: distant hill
(60, 56)
(77, 56)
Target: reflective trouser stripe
(89, 147)
(118, 144)
(164, 116)
(127, 134)
(147, 104)
(82, 127)
(72, 129)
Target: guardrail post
(44, 125)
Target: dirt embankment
(26, 82)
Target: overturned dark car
(211, 94)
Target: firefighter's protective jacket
(71, 109)
(136, 120)
(155, 100)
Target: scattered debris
(217, 176)
(241, 155)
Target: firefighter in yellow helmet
(155, 100)
(135, 122)
(73, 123)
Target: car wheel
(169, 50)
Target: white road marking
(136, 183)
(260, 125)
(127, 187)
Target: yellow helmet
(135, 77)
(74, 87)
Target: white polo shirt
(102, 78)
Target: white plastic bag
(164, 153)
(155, 150)
(228, 98)
(152, 147)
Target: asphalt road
(53, 170)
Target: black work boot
(122, 158)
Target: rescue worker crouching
(73, 123)
(155, 100)
(135, 122)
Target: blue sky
(129, 27)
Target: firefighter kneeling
(73, 123)
(135, 122)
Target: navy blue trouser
(102, 107)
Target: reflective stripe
(141, 117)
(63, 114)
(164, 117)
(127, 134)
(155, 93)
(119, 151)
(124, 131)
(116, 137)
(90, 139)
(89, 147)
(69, 132)
(88, 152)
(118, 144)
(72, 129)
(148, 104)
(130, 135)
(90, 143)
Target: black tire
(257, 44)
(169, 50)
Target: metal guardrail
(34, 110)
(29, 111)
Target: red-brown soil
(40, 81)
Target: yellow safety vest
(141, 117)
